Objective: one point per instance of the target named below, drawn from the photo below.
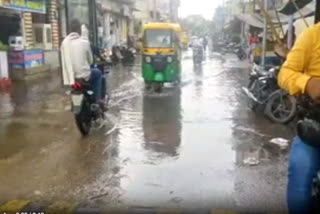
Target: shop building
(118, 21)
(29, 38)
(109, 21)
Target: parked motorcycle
(263, 93)
(241, 54)
(116, 55)
(123, 54)
(129, 55)
(106, 56)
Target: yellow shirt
(303, 62)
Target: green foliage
(3, 47)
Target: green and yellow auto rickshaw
(161, 56)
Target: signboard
(26, 59)
(5, 3)
(18, 3)
(38, 6)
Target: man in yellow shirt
(300, 74)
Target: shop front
(26, 37)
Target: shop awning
(289, 8)
(306, 12)
(251, 19)
(257, 21)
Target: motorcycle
(263, 93)
(86, 111)
(124, 55)
(84, 108)
(197, 55)
(238, 50)
(116, 55)
(106, 56)
(129, 55)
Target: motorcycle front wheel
(281, 107)
(83, 120)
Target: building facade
(110, 22)
(155, 11)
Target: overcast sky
(203, 7)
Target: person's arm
(292, 77)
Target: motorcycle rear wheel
(83, 120)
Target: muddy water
(183, 148)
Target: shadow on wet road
(183, 148)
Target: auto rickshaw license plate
(158, 59)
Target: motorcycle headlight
(148, 59)
(169, 59)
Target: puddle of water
(181, 148)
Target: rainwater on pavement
(183, 148)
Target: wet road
(183, 148)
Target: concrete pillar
(52, 18)
(317, 12)
(27, 30)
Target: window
(158, 39)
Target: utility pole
(265, 29)
(243, 23)
(317, 12)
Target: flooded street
(182, 149)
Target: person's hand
(313, 89)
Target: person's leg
(103, 88)
(96, 81)
(304, 162)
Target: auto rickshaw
(161, 58)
